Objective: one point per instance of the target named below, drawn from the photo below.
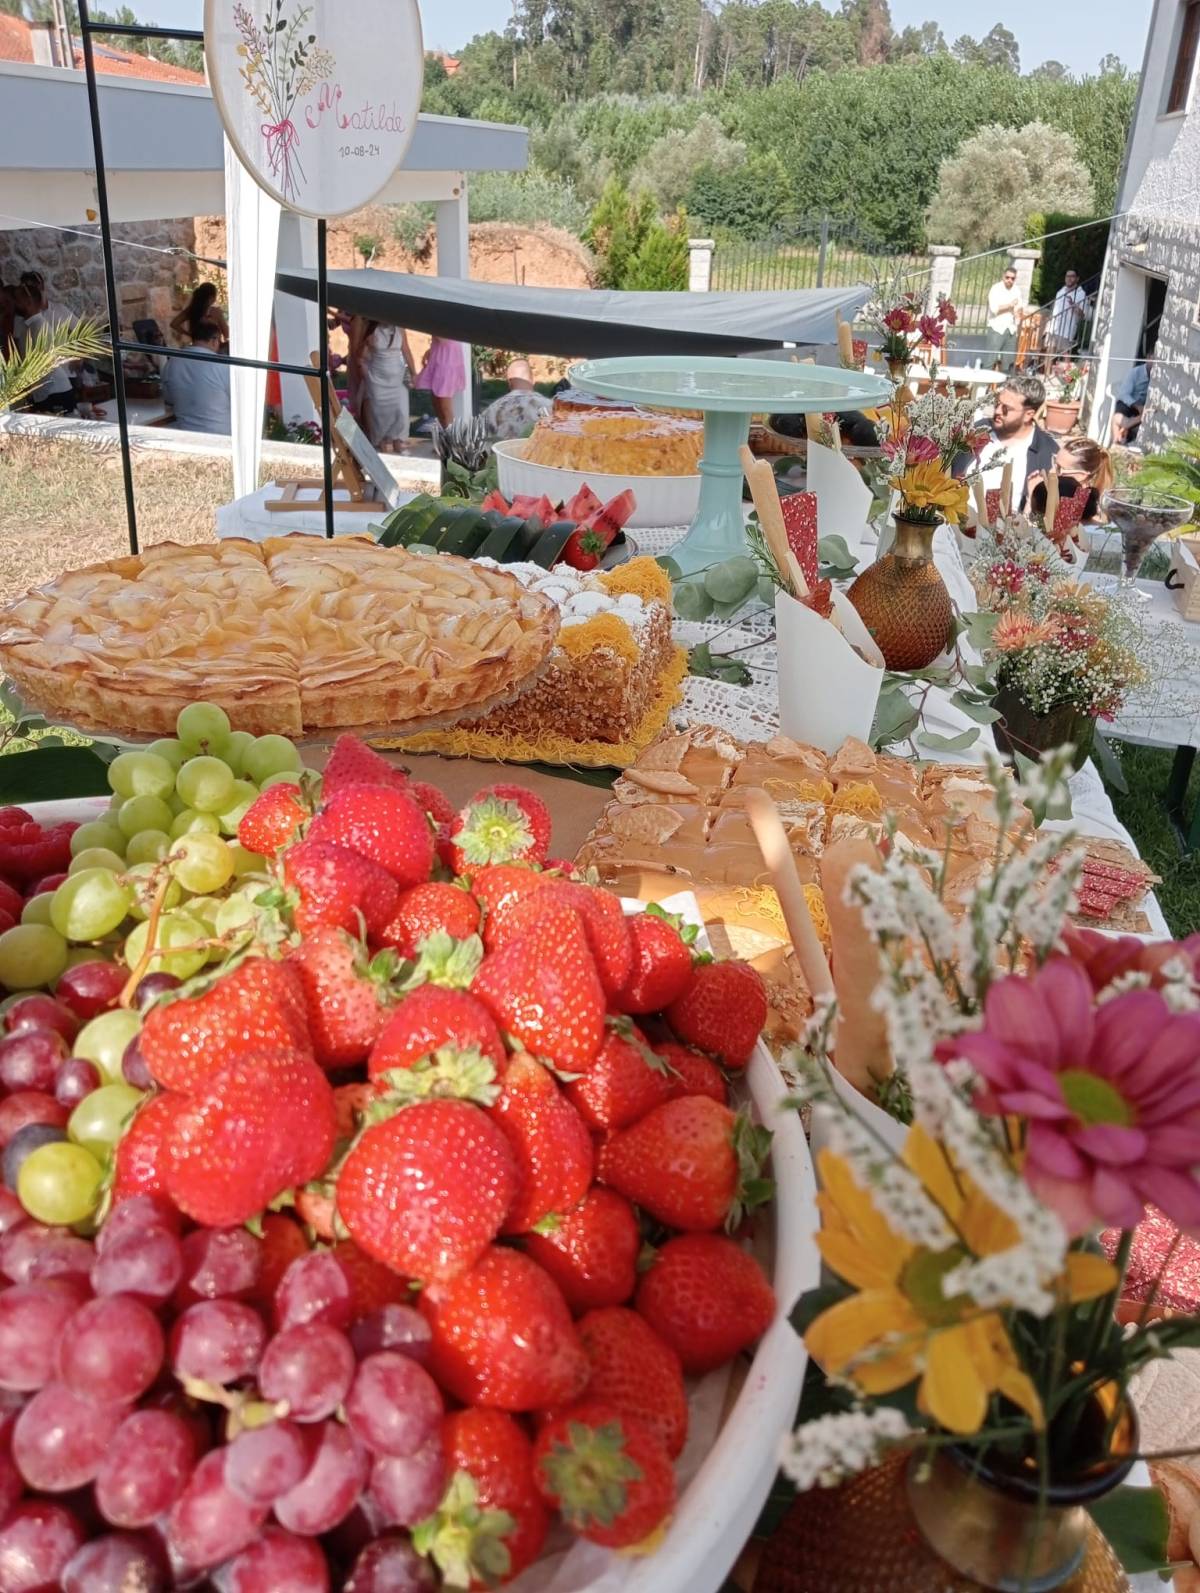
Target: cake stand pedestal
(728, 392)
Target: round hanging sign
(319, 97)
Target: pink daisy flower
(921, 450)
(931, 330)
(1110, 1095)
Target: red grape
(32, 1317)
(11, 1211)
(134, 1213)
(111, 1350)
(209, 1522)
(277, 1560)
(116, 1563)
(308, 1367)
(41, 1012)
(219, 1263)
(218, 1341)
(390, 1565)
(314, 1288)
(409, 1489)
(11, 1485)
(23, 1143)
(76, 1077)
(394, 1406)
(31, 1250)
(333, 1483)
(146, 1263)
(145, 1468)
(392, 1327)
(151, 987)
(91, 987)
(264, 1462)
(12, 1404)
(29, 1060)
(48, 882)
(134, 1067)
(29, 1106)
(60, 1440)
(36, 1544)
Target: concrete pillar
(941, 272)
(700, 259)
(295, 318)
(1025, 260)
(454, 260)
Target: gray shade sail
(583, 322)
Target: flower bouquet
(899, 317)
(1054, 1090)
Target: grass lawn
(1146, 770)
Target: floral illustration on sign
(280, 63)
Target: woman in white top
(56, 395)
(385, 361)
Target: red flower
(900, 320)
(922, 450)
(932, 330)
(946, 311)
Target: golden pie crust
(294, 635)
(617, 443)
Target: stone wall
(149, 284)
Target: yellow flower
(930, 486)
(899, 1326)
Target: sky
(1076, 32)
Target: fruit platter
(384, 1206)
(581, 532)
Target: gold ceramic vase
(903, 601)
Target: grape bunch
(175, 1409)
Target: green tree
(617, 230)
(672, 161)
(987, 189)
(912, 43)
(660, 261)
(998, 47)
(1051, 71)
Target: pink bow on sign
(281, 138)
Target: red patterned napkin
(800, 523)
(1070, 513)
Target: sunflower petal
(1015, 1385)
(843, 1254)
(951, 1389)
(1088, 1276)
(925, 1157)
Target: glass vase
(903, 600)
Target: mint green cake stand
(728, 391)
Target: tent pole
(323, 356)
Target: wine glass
(1141, 515)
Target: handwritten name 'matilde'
(369, 118)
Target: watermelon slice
(612, 517)
(497, 501)
(584, 502)
(525, 504)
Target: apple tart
(294, 635)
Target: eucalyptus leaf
(1135, 1522)
(10, 700)
(895, 719)
(981, 712)
(835, 557)
(981, 675)
(674, 573)
(959, 743)
(979, 628)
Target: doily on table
(749, 712)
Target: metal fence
(809, 252)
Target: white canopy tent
(165, 157)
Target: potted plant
(1064, 396)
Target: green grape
(189, 822)
(31, 955)
(201, 863)
(60, 1183)
(90, 904)
(175, 753)
(235, 752)
(206, 909)
(270, 755)
(206, 784)
(144, 880)
(176, 804)
(235, 913)
(284, 777)
(143, 813)
(78, 954)
(141, 774)
(115, 803)
(733, 581)
(103, 1041)
(96, 857)
(245, 862)
(244, 795)
(203, 727)
(100, 1118)
(174, 930)
(37, 909)
(97, 833)
(148, 846)
(692, 602)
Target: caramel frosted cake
(617, 442)
(295, 635)
(610, 680)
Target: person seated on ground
(198, 389)
(1083, 466)
(515, 413)
(202, 306)
(1131, 403)
(57, 395)
(1016, 438)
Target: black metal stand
(124, 346)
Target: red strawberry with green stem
(660, 962)
(604, 924)
(140, 1157)
(542, 988)
(436, 907)
(583, 549)
(500, 824)
(636, 1372)
(591, 1252)
(626, 1080)
(721, 1011)
(349, 994)
(274, 819)
(707, 1298)
(352, 762)
(430, 1018)
(498, 887)
(332, 886)
(550, 1143)
(691, 1072)
(608, 1475)
(385, 825)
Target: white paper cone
(843, 497)
(826, 691)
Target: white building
(1149, 300)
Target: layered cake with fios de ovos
(293, 635)
(616, 442)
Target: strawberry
(492, 1522)
(498, 887)
(426, 1191)
(283, 1241)
(257, 1006)
(550, 1144)
(625, 1081)
(350, 1103)
(692, 1073)
(707, 1298)
(372, 1285)
(636, 1372)
(27, 851)
(386, 826)
(265, 1123)
(690, 1163)
(661, 963)
(273, 819)
(607, 1474)
(436, 803)
(430, 909)
(348, 994)
(11, 900)
(722, 1011)
(334, 886)
(604, 925)
(140, 1157)
(352, 762)
(583, 549)
(500, 824)
(591, 1252)
(430, 1018)
(502, 1334)
(543, 989)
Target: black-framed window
(1185, 57)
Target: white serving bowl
(661, 500)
